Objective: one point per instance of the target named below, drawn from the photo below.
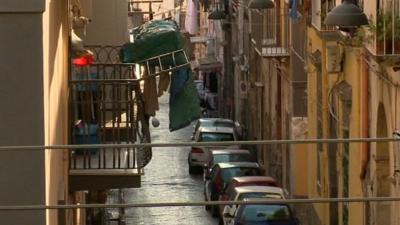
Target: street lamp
(346, 15)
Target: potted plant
(386, 29)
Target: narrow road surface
(167, 179)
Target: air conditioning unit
(243, 88)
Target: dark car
(221, 174)
(263, 214)
(226, 155)
(244, 181)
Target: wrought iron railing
(385, 32)
(106, 105)
(270, 32)
(319, 13)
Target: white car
(245, 192)
(217, 122)
(199, 155)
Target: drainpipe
(365, 150)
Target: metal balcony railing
(106, 105)
(384, 33)
(270, 33)
(318, 14)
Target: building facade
(34, 86)
(352, 89)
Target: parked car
(227, 155)
(198, 155)
(235, 182)
(221, 174)
(240, 193)
(248, 181)
(217, 122)
(262, 214)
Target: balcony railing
(319, 11)
(270, 33)
(106, 105)
(385, 33)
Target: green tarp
(152, 39)
(184, 102)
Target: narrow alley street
(166, 179)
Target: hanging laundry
(191, 24)
(293, 9)
(150, 94)
(163, 83)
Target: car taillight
(197, 150)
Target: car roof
(215, 119)
(266, 189)
(229, 151)
(253, 178)
(217, 129)
(263, 199)
(238, 164)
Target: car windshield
(213, 123)
(228, 173)
(229, 157)
(258, 195)
(205, 136)
(258, 213)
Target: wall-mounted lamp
(346, 15)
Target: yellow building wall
(383, 81)
(55, 52)
(352, 74)
(299, 158)
(314, 43)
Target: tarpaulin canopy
(152, 39)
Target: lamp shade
(261, 4)
(216, 15)
(346, 15)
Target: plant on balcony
(387, 31)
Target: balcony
(270, 33)
(105, 103)
(319, 11)
(384, 39)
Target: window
(261, 213)
(206, 137)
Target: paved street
(167, 179)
